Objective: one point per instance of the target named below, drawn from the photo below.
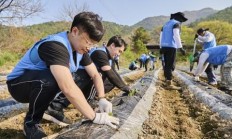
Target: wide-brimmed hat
(201, 30)
(179, 16)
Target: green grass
(8, 58)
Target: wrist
(94, 117)
(101, 97)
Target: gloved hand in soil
(129, 92)
(106, 119)
(196, 78)
(105, 105)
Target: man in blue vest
(219, 55)
(152, 60)
(207, 39)
(103, 58)
(169, 42)
(46, 69)
(143, 61)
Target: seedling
(132, 92)
(110, 114)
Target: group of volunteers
(143, 60)
(61, 69)
(65, 68)
(208, 58)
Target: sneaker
(33, 132)
(56, 117)
(213, 83)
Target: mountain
(151, 22)
(223, 15)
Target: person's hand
(183, 52)
(106, 119)
(215, 67)
(105, 105)
(127, 90)
(196, 78)
(196, 36)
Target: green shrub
(8, 58)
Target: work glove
(196, 36)
(183, 52)
(105, 105)
(196, 78)
(215, 67)
(106, 119)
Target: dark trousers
(85, 83)
(38, 88)
(144, 63)
(169, 61)
(210, 74)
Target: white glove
(196, 78)
(104, 118)
(105, 106)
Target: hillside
(223, 15)
(155, 21)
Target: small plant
(110, 114)
(133, 92)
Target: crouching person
(133, 65)
(102, 57)
(220, 55)
(46, 69)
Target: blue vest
(217, 55)
(94, 49)
(210, 44)
(167, 39)
(143, 58)
(32, 61)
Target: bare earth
(174, 115)
(177, 115)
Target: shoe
(33, 132)
(213, 83)
(56, 117)
(170, 86)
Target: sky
(126, 12)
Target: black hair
(201, 30)
(90, 23)
(118, 42)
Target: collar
(108, 53)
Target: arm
(160, 38)
(206, 38)
(202, 64)
(101, 60)
(114, 78)
(97, 79)
(71, 90)
(176, 36)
